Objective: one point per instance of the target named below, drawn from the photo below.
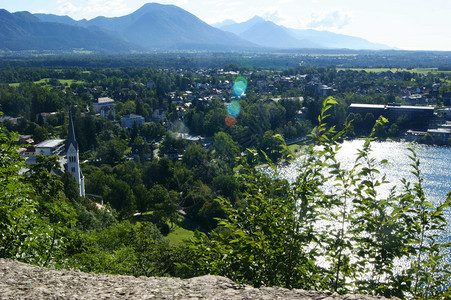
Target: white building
(128, 121)
(50, 147)
(47, 148)
(104, 106)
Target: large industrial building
(418, 116)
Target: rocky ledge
(23, 281)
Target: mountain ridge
(257, 29)
(23, 31)
(163, 27)
(158, 26)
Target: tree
(274, 146)
(17, 210)
(40, 134)
(393, 131)
(195, 156)
(165, 203)
(111, 152)
(120, 196)
(125, 248)
(143, 198)
(34, 213)
(225, 147)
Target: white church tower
(73, 163)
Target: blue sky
(409, 25)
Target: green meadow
(47, 80)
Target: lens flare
(230, 120)
(234, 108)
(239, 87)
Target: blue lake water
(435, 166)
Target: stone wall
(22, 281)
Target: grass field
(294, 148)
(415, 70)
(178, 235)
(46, 80)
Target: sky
(407, 25)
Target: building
(414, 99)
(104, 106)
(159, 115)
(73, 162)
(50, 147)
(446, 112)
(128, 121)
(47, 148)
(416, 116)
(441, 135)
(45, 116)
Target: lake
(435, 165)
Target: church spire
(73, 162)
(71, 134)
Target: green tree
(40, 134)
(130, 249)
(273, 145)
(17, 210)
(34, 214)
(111, 152)
(120, 196)
(226, 148)
(143, 198)
(393, 131)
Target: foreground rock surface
(23, 281)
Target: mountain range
(269, 34)
(159, 27)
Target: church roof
(71, 134)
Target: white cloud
(273, 15)
(93, 8)
(66, 7)
(334, 19)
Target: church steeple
(73, 163)
(71, 134)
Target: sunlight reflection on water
(435, 166)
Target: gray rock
(23, 281)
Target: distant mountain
(170, 27)
(223, 23)
(239, 28)
(23, 31)
(56, 19)
(337, 41)
(157, 26)
(269, 34)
